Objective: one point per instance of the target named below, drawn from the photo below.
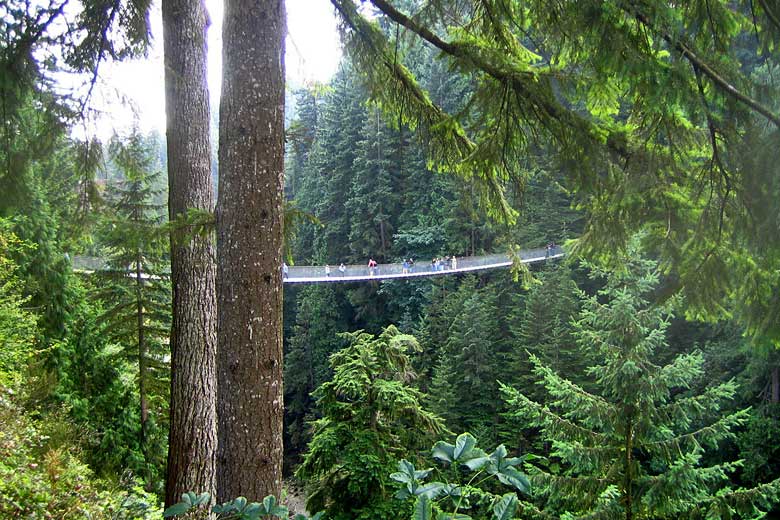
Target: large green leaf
(407, 473)
(423, 509)
(511, 477)
(431, 490)
(463, 451)
(506, 507)
(443, 451)
(176, 509)
(464, 444)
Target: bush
(41, 480)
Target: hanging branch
(520, 79)
(717, 79)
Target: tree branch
(718, 80)
(514, 77)
(770, 14)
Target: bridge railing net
(419, 266)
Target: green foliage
(758, 446)
(466, 331)
(40, 478)
(195, 506)
(309, 345)
(136, 293)
(673, 135)
(635, 445)
(370, 417)
(444, 500)
(17, 325)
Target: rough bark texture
(193, 432)
(249, 249)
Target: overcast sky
(313, 53)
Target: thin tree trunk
(249, 248)
(382, 237)
(628, 482)
(776, 385)
(143, 404)
(192, 441)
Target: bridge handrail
(315, 273)
(396, 268)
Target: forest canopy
(637, 377)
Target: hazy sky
(313, 52)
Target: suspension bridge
(362, 273)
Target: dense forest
(141, 278)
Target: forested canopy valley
(154, 363)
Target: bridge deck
(361, 273)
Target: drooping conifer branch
(449, 144)
(693, 56)
(525, 81)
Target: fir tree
(373, 200)
(371, 417)
(311, 342)
(634, 447)
(545, 329)
(137, 295)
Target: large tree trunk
(249, 248)
(192, 442)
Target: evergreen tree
(193, 269)
(635, 446)
(545, 329)
(373, 199)
(479, 356)
(310, 344)
(332, 166)
(137, 294)
(371, 416)
(249, 222)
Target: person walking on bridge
(342, 269)
(371, 267)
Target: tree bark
(249, 248)
(192, 442)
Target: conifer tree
(311, 342)
(441, 391)
(332, 162)
(478, 357)
(371, 416)
(545, 329)
(249, 224)
(137, 295)
(373, 197)
(193, 270)
(635, 446)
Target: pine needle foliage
(371, 417)
(633, 448)
(136, 292)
